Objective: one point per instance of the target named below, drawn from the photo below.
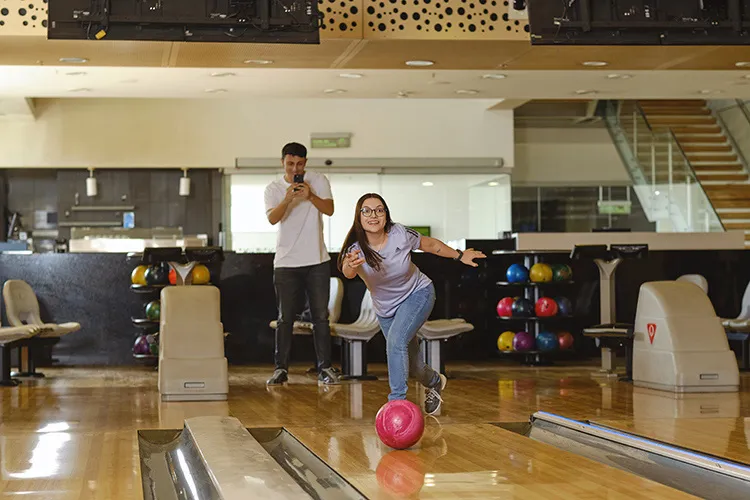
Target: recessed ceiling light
(585, 92)
(419, 63)
(74, 60)
(467, 92)
(438, 82)
(595, 64)
(83, 89)
(618, 76)
(353, 76)
(494, 76)
(709, 91)
(404, 93)
(76, 73)
(257, 61)
(427, 184)
(742, 64)
(223, 74)
(215, 91)
(334, 91)
(493, 183)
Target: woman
(379, 251)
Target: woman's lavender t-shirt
(398, 276)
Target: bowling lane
(722, 437)
(470, 461)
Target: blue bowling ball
(546, 341)
(564, 306)
(517, 273)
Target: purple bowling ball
(523, 341)
(141, 346)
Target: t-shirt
(299, 241)
(398, 276)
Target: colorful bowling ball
(517, 273)
(523, 308)
(564, 306)
(540, 273)
(546, 341)
(562, 272)
(201, 275)
(545, 307)
(399, 424)
(505, 307)
(153, 348)
(157, 275)
(523, 341)
(564, 340)
(153, 310)
(138, 276)
(141, 345)
(505, 341)
(172, 277)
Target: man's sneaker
(279, 377)
(329, 376)
(432, 400)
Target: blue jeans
(402, 346)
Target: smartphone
(299, 179)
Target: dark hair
(294, 149)
(357, 234)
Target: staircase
(711, 154)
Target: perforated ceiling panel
(28, 17)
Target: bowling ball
(546, 341)
(154, 348)
(523, 308)
(505, 307)
(562, 272)
(172, 277)
(564, 340)
(138, 276)
(399, 424)
(564, 306)
(141, 345)
(540, 273)
(201, 275)
(523, 341)
(153, 310)
(157, 275)
(545, 307)
(517, 273)
(505, 341)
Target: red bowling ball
(399, 424)
(545, 307)
(505, 307)
(565, 340)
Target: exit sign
(623, 207)
(320, 141)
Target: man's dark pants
(291, 283)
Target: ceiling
(84, 81)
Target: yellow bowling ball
(138, 276)
(540, 273)
(201, 275)
(505, 341)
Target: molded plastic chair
(356, 335)
(434, 332)
(742, 322)
(696, 279)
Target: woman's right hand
(354, 259)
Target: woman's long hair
(357, 234)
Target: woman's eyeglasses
(368, 212)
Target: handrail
(730, 136)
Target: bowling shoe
(432, 400)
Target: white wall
(214, 132)
(567, 156)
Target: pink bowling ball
(399, 424)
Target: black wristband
(460, 254)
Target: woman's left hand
(469, 255)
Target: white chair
(10, 337)
(433, 333)
(22, 309)
(742, 322)
(696, 279)
(356, 335)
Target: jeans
(291, 283)
(402, 346)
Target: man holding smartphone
(296, 202)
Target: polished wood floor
(72, 435)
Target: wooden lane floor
(73, 434)
(470, 461)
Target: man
(301, 263)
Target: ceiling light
(618, 76)
(221, 75)
(493, 76)
(493, 183)
(76, 73)
(353, 76)
(73, 60)
(467, 92)
(438, 82)
(83, 89)
(404, 93)
(427, 184)
(595, 64)
(742, 64)
(257, 61)
(709, 91)
(585, 92)
(334, 91)
(215, 91)
(419, 63)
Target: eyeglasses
(367, 211)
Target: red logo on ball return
(651, 327)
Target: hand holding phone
(298, 179)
